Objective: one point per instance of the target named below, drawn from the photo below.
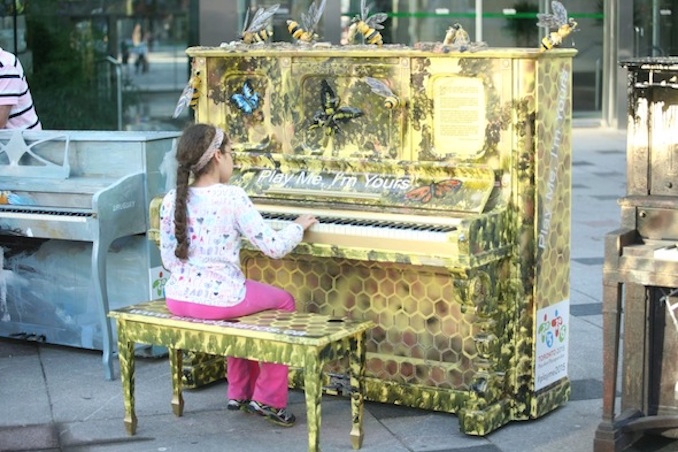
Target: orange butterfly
(425, 193)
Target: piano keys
(67, 198)
(445, 219)
(355, 232)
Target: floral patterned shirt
(217, 217)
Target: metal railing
(105, 85)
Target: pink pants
(247, 380)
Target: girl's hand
(306, 221)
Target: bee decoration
(380, 88)
(456, 35)
(458, 39)
(367, 26)
(425, 193)
(189, 96)
(557, 21)
(305, 33)
(257, 30)
(331, 114)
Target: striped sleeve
(12, 85)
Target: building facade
(608, 31)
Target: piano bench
(297, 339)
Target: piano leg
(613, 434)
(127, 366)
(313, 393)
(612, 310)
(357, 375)
(99, 251)
(608, 436)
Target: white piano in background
(76, 187)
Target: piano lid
(423, 186)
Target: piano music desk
(298, 339)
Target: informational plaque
(459, 116)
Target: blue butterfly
(248, 100)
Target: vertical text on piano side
(555, 164)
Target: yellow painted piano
(442, 184)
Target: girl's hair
(192, 145)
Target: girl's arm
(274, 244)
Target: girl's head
(203, 151)
(197, 148)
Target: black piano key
(381, 224)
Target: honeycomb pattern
(420, 336)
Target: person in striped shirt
(16, 104)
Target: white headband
(210, 151)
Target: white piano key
(667, 253)
(394, 232)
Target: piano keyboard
(358, 216)
(45, 214)
(410, 234)
(49, 223)
(366, 228)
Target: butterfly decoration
(247, 101)
(426, 193)
(330, 115)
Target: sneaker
(278, 416)
(237, 404)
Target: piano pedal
(339, 385)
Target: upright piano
(442, 184)
(640, 273)
(66, 199)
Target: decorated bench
(303, 340)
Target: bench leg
(126, 357)
(176, 369)
(313, 392)
(356, 374)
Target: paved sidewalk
(55, 398)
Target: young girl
(200, 233)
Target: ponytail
(181, 250)
(192, 145)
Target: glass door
(655, 28)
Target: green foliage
(523, 29)
(63, 82)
